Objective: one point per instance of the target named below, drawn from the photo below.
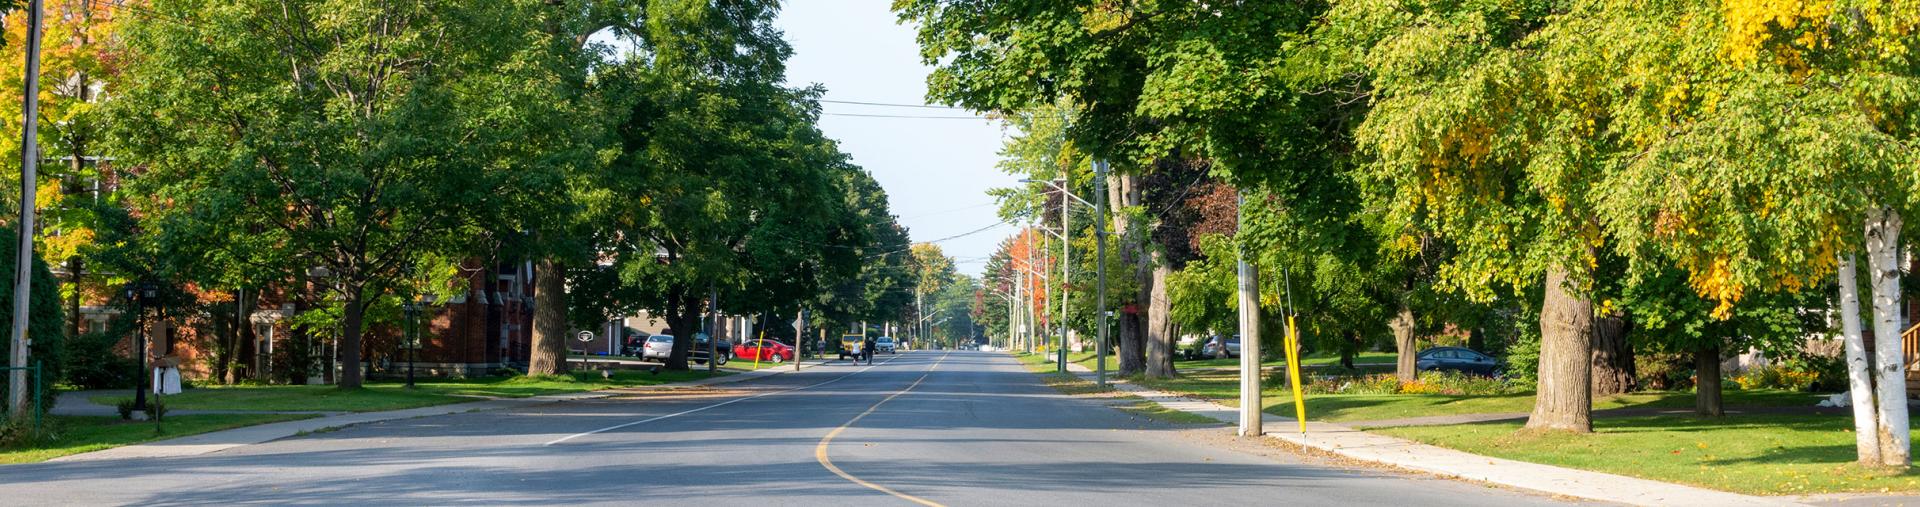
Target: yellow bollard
(1293, 374)
(756, 350)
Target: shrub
(16, 433)
(1788, 376)
(1361, 384)
(1523, 359)
(1456, 383)
(156, 409)
(1664, 371)
(1431, 382)
(1829, 371)
(91, 362)
(126, 409)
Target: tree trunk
(1565, 398)
(1613, 367)
(74, 266)
(1866, 424)
(215, 334)
(1160, 328)
(496, 318)
(683, 315)
(1889, 363)
(1133, 324)
(245, 351)
(549, 320)
(1406, 361)
(350, 334)
(1477, 338)
(299, 367)
(1706, 383)
(1133, 357)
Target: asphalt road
(959, 428)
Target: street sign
(800, 324)
(586, 336)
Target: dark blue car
(1458, 359)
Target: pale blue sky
(936, 171)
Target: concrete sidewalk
(1410, 455)
(227, 439)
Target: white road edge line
(716, 405)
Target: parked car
(634, 345)
(1211, 348)
(763, 350)
(1188, 347)
(659, 347)
(885, 344)
(1460, 359)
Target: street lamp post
(140, 294)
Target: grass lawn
(75, 435)
(1073, 385)
(394, 395)
(1224, 387)
(1360, 361)
(1758, 454)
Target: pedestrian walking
(866, 350)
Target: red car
(763, 350)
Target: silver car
(660, 347)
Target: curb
(1409, 455)
(216, 441)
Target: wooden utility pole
(23, 268)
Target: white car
(659, 347)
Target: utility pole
(1033, 300)
(1100, 270)
(1250, 424)
(1020, 302)
(1047, 289)
(23, 268)
(1066, 268)
(1012, 302)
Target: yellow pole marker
(762, 346)
(1293, 374)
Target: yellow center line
(820, 451)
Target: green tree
(725, 184)
(933, 269)
(316, 132)
(1761, 133)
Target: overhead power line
(888, 104)
(909, 116)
